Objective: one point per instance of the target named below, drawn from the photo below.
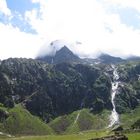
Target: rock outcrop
(114, 137)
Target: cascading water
(114, 117)
(77, 116)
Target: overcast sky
(89, 26)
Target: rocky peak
(62, 55)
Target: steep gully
(114, 117)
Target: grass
(21, 122)
(128, 119)
(133, 136)
(79, 136)
(88, 125)
(86, 121)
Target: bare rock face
(114, 137)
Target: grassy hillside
(133, 136)
(84, 120)
(127, 119)
(81, 120)
(20, 121)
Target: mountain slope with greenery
(21, 122)
(131, 119)
(59, 89)
(58, 93)
(81, 120)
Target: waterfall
(114, 117)
(4, 134)
(77, 117)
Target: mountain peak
(106, 58)
(65, 55)
(64, 51)
(62, 55)
(65, 48)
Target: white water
(8, 135)
(114, 117)
(77, 117)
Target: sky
(27, 27)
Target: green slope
(20, 121)
(81, 120)
(128, 119)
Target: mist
(94, 25)
(87, 27)
(78, 48)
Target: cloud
(17, 38)
(4, 9)
(91, 22)
(15, 43)
(124, 3)
(37, 18)
(128, 11)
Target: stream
(114, 117)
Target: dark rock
(136, 125)
(3, 115)
(120, 137)
(118, 128)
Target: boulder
(114, 137)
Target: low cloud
(90, 22)
(15, 43)
(94, 24)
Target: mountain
(108, 59)
(133, 58)
(66, 55)
(59, 89)
(34, 88)
(62, 55)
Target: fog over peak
(78, 48)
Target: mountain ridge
(64, 54)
